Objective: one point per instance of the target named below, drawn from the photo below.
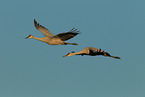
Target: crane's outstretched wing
(95, 51)
(67, 35)
(42, 29)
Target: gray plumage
(91, 51)
(51, 39)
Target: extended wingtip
(36, 24)
(35, 21)
(74, 30)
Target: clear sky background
(30, 68)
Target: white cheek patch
(30, 36)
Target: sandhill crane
(51, 39)
(92, 52)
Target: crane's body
(51, 39)
(91, 51)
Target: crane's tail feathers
(116, 57)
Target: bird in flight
(51, 39)
(91, 51)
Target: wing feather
(42, 29)
(67, 35)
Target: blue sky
(30, 68)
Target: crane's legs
(70, 43)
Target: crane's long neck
(76, 53)
(40, 39)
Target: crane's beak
(64, 56)
(27, 37)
